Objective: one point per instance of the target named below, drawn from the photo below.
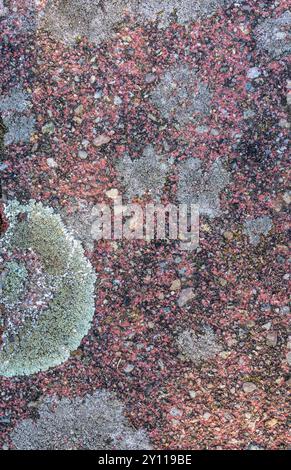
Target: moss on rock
(47, 341)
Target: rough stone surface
(14, 108)
(273, 35)
(95, 422)
(203, 188)
(255, 228)
(143, 176)
(87, 73)
(181, 96)
(198, 347)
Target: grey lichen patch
(95, 422)
(255, 228)
(20, 128)
(182, 11)
(16, 101)
(145, 175)
(203, 188)
(98, 19)
(198, 347)
(15, 111)
(42, 332)
(181, 96)
(273, 35)
(95, 19)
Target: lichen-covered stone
(58, 312)
(273, 35)
(181, 96)
(15, 275)
(68, 21)
(255, 228)
(203, 188)
(198, 347)
(97, 20)
(145, 175)
(95, 422)
(182, 11)
(19, 123)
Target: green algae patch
(45, 333)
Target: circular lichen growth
(47, 291)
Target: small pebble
(82, 154)
(249, 387)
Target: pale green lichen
(15, 275)
(47, 341)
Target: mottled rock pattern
(198, 347)
(95, 422)
(273, 35)
(181, 96)
(145, 175)
(255, 228)
(203, 188)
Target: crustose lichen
(54, 308)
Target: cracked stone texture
(95, 422)
(198, 347)
(196, 186)
(181, 96)
(143, 176)
(257, 227)
(273, 35)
